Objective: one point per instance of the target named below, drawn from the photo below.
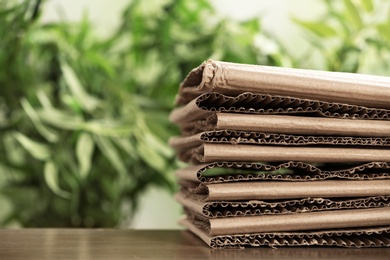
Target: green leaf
(45, 132)
(353, 13)
(84, 152)
(150, 156)
(61, 119)
(86, 101)
(111, 153)
(51, 179)
(38, 150)
(368, 5)
(318, 28)
(384, 30)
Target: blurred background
(86, 88)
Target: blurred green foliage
(83, 119)
(350, 36)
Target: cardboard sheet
(354, 237)
(290, 125)
(247, 137)
(210, 152)
(272, 190)
(219, 172)
(231, 78)
(222, 209)
(264, 104)
(351, 218)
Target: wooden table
(149, 244)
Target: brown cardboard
(222, 209)
(231, 78)
(354, 237)
(290, 125)
(250, 103)
(271, 190)
(251, 171)
(322, 220)
(247, 137)
(210, 152)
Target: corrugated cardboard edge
(289, 124)
(218, 209)
(359, 238)
(232, 78)
(265, 104)
(300, 222)
(276, 190)
(194, 172)
(259, 138)
(212, 152)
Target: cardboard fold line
(282, 124)
(262, 138)
(354, 237)
(210, 152)
(255, 171)
(231, 78)
(222, 209)
(351, 218)
(264, 104)
(271, 190)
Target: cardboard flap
(218, 172)
(354, 237)
(289, 125)
(231, 78)
(247, 137)
(351, 218)
(259, 104)
(222, 209)
(211, 152)
(271, 190)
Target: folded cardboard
(272, 190)
(219, 172)
(354, 237)
(222, 209)
(247, 137)
(290, 125)
(211, 152)
(250, 103)
(322, 220)
(231, 78)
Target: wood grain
(149, 244)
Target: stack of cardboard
(284, 156)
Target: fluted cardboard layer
(221, 209)
(211, 152)
(208, 104)
(353, 237)
(322, 220)
(219, 172)
(286, 124)
(247, 137)
(275, 190)
(232, 79)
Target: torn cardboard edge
(308, 221)
(248, 137)
(354, 237)
(283, 124)
(232, 79)
(256, 171)
(264, 104)
(211, 152)
(221, 209)
(276, 190)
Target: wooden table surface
(149, 244)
